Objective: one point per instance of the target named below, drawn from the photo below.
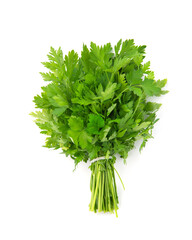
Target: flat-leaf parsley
(96, 106)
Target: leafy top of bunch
(97, 104)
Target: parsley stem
(96, 190)
(107, 76)
(103, 187)
(112, 76)
(113, 193)
(119, 178)
(138, 102)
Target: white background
(40, 195)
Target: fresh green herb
(96, 106)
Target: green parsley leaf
(152, 106)
(108, 93)
(95, 123)
(151, 88)
(141, 126)
(117, 47)
(84, 139)
(110, 109)
(75, 123)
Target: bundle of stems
(103, 187)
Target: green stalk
(114, 182)
(108, 193)
(103, 186)
(113, 193)
(96, 190)
(100, 189)
(91, 182)
(119, 178)
(92, 189)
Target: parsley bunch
(96, 105)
